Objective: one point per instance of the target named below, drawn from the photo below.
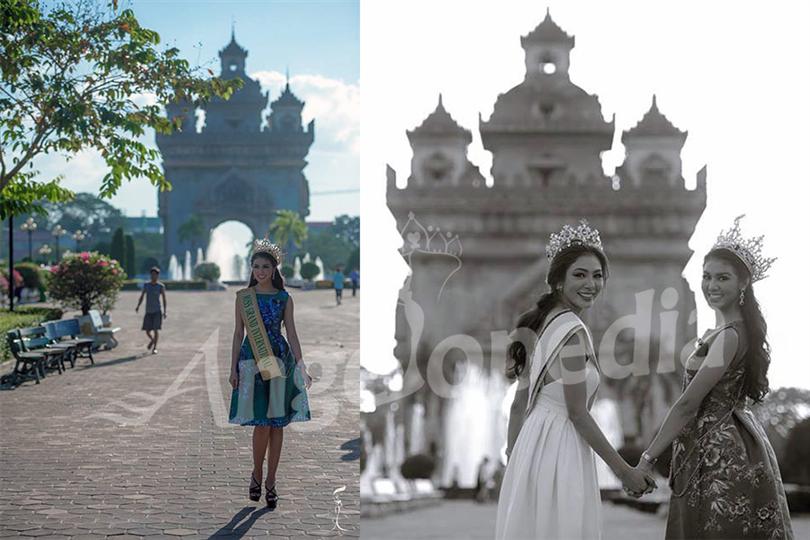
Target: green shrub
(287, 271)
(31, 275)
(23, 317)
(198, 285)
(309, 270)
(795, 466)
(417, 466)
(208, 271)
(84, 280)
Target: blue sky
(318, 41)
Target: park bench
(28, 365)
(92, 327)
(35, 340)
(57, 331)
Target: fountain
(306, 258)
(297, 268)
(319, 264)
(200, 256)
(239, 266)
(228, 241)
(175, 272)
(606, 414)
(474, 424)
(187, 267)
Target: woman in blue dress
(268, 405)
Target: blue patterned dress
(281, 400)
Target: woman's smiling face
(263, 270)
(720, 285)
(584, 280)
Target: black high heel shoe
(271, 497)
(255, 489)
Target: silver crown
(266, 246)
(748, 250)
(569, 236)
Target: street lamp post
(29, 226)
(57, 233)
(45, 251)
(79, 236)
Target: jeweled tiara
(266, 246)
(569, 236)
(748, 250)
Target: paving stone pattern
(137, 446)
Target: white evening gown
(550, 488)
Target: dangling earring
(742, 296)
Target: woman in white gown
(550, 487)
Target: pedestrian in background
(154, 290)
(338, 278)
(354, 275)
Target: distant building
(143, 224)
(545, 135)
(234, 169)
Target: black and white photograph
(582, 316)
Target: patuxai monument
(477, 256)
(241, 165)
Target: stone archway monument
(236, 167)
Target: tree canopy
(80, 75)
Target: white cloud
(333, 104)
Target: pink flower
(54, 269)
(102, 263)
(114, 272)
(85, 256)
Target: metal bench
(57, 331)
(35, 340)
(27, 366)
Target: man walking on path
(338, 279)
(354, 275)
(152, 319)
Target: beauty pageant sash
(266, 361)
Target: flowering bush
(18, 280)
(84, 280)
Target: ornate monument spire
(439, 123)
(656, 124)
(232, 58)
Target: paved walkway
(138, 445)
(466, 520)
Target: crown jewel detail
(748, 250)
(569, 236)
(266, 246)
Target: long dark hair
(277, 279)
(758, 356)
(533, 318)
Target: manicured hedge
(197, 285)
(22, 317)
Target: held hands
(637, 482)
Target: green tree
(193, 230)
(288, 227)
(208, 271)
(325, 244)
(130, 259)
(309, 270)
(70, 76)
(87, 212)
(347, 228)
(118, 247)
